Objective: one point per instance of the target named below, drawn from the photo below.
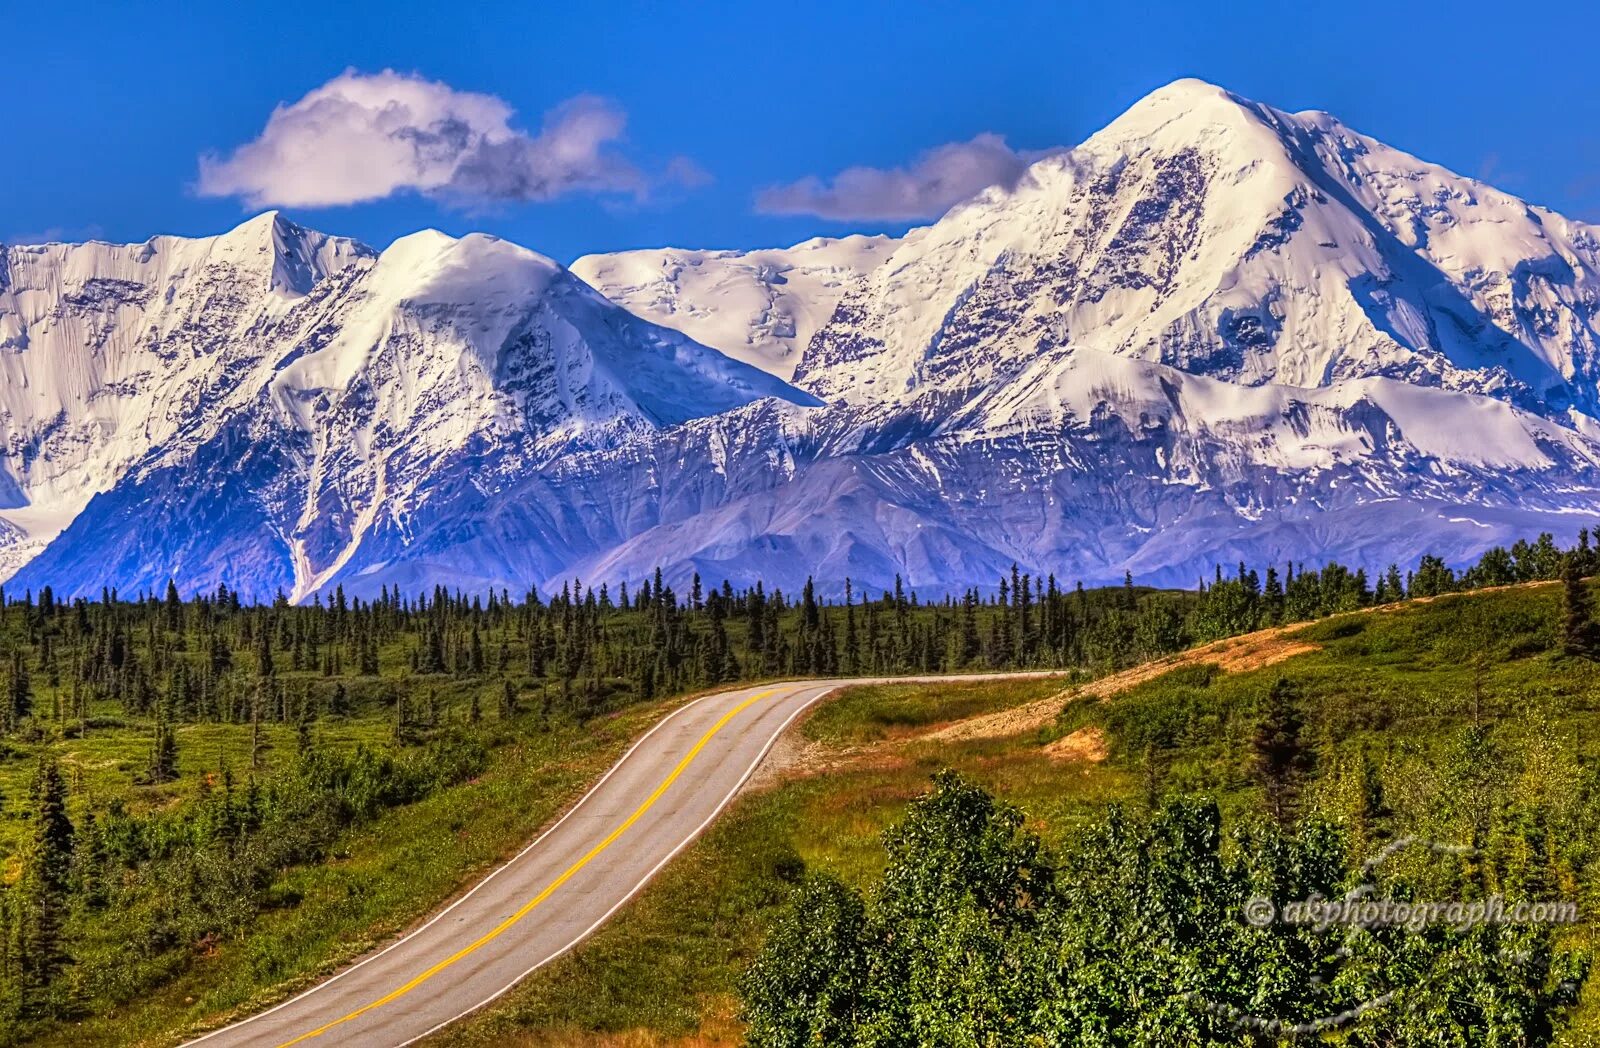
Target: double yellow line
(528, 907)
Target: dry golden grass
(1233, 655)
(1085, 745)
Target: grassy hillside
(1459, 719)
(203, 805)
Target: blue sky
(667, 122)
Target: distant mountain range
(1214, 331)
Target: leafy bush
(974, 935)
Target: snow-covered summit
(1232, 239)
(292, 258)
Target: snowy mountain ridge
(108, 351)
(365, 373)
(1227, 238)
(761, 307)
(1214, 331)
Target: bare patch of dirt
(792, 756)
(1267, 653)
(1087, 745)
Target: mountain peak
(293, 259)
(269, 229)
(258, 225)
(1188, 113)
(1228, 238)
(1187, 91)
(1192, 102)
(434, 266)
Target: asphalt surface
(648, 807)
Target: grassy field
(401, 748)
(380, 877)
(1392, 686)
(1397, 687)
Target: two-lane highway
(648, 807)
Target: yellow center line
(529, 906)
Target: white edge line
(662, 723)
(695, 833)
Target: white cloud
(365, 137)
(934, 182)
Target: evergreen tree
(42, 894)
(163, 754)
(89, 862)
(18, 691)
(51, 845)
(1282, 758)
(1577, 611)
(257, 743)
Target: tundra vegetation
(1085, 879)
(204, 803)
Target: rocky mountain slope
(1214, 331)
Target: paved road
(648, 807)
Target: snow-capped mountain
(1226, 238)
(1215, 331)
(761, 307)
(256, 403)
(108, 352)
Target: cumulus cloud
(934, 182)
(369, 136)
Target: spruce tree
(42, 889)
(89, 863)
(163, 753)
(1577, 611)
(1282, 758)
(257, 744)
(19, 691)
(51, 845)
(264, 665)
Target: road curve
(652, 803)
